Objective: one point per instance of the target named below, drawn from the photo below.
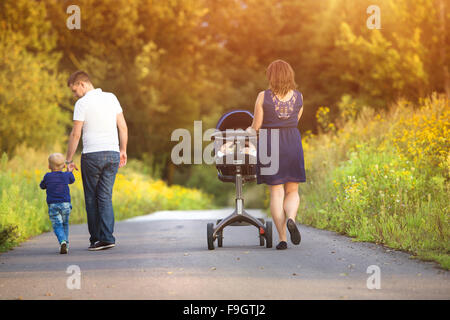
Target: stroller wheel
(209, 233)
(220, 239)
(268, 234)
(261, 241)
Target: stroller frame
(239, 217)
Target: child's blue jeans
(59, 216)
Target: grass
(384, 178)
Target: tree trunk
(169, 171)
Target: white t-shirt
(99, 112)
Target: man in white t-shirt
(98, 117)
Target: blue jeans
(98, 171)
(59, 216)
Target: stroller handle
(232, 134)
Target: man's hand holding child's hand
(71, 166)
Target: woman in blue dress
(280, 108)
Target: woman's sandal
(293, 230)
(282, 245)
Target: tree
(383, 71)
(154, 56)
(31, 90)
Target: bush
(384, 178)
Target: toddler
(58, 198)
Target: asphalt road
(164, 256)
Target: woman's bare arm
(301, 110)
(259, 113)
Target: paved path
(165, 256)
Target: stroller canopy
(236, 119)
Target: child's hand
(71, 166)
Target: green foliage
(31, 88)
(349, 108)
(173, 62)
(382, 71)
(363, 183)
(324, 121)
(23, 210)
(154, 56)
(205, 177)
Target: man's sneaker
(100, 245)
(63, 249)
(293, 230)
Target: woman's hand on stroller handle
(251, 131)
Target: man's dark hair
(78, 76)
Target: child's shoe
(64, 249)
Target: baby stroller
(235, 159)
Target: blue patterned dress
(283, 116)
